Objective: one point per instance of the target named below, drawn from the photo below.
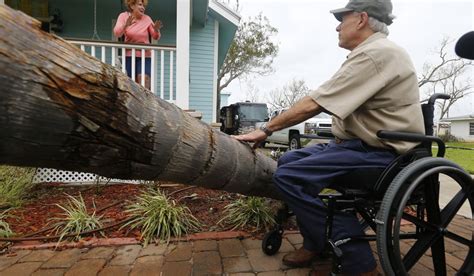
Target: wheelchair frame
(411, 179)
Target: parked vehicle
(241, 117)
(292, 136)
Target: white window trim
(216, 57)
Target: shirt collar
(370, 39)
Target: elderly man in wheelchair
(380, 162)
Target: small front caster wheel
(271, 243)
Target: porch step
(194, 113)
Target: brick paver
(99, 253)
(261, 262)
(20, 269)
(49, 272)
(205, 245)
(7, 260)
(63, 259)
(38, 256)
(231, 248)
(252, 243)
(177, 268)
(153, 250)
(236, 264)
(295, 238)
(86, 267)
(207, 262)
(203, 257)
(116, 270)
(182, 252)
(126, 255)
(147, 265)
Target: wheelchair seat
(373, 182)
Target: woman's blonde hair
(129, 3)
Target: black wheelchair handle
(413, 137)
(436, 96)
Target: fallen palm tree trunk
(61, 108)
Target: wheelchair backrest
(421, 151)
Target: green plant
(157, 216)
(253, 211)
(15, 183)
(76, 218)
(5, 230)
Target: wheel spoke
(439, 257)
(459, 239)
(452, 208)
(418, 222)
(419, 248)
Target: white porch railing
(162, 62)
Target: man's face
(348, 30)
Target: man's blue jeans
(305, 172)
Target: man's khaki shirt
(375, 89)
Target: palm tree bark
(61, 108)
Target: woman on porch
(137, 27)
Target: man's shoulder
(383, 48)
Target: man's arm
(301, 111)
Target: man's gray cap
(465, 46)
(378, 9)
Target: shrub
(249, 211)
(76, 219)
(15, 183)
(5, 230)
(159, 217)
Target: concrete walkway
(232, 256)
(448, 190)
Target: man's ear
(363, 20)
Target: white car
(292, 136)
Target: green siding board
(202, 69)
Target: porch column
(182, 52)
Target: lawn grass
(463, 157)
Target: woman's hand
(129, 21)
(157, 25)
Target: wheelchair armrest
(413, 137)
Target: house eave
(225, 12)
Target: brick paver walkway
(202, 257)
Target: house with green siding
(185, 61)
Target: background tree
(252, 93)
(251, 52)
(288, 95)
(447, 76)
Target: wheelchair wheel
(411, 222)
(271, 242)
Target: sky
(308, 40)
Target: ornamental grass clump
(76, 219)
(158, 217)
(5, 230)
(15, 183)
(249, 211)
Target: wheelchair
(400, 204)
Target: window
(471, 128)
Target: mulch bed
(110, 201)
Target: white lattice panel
(53, 175)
